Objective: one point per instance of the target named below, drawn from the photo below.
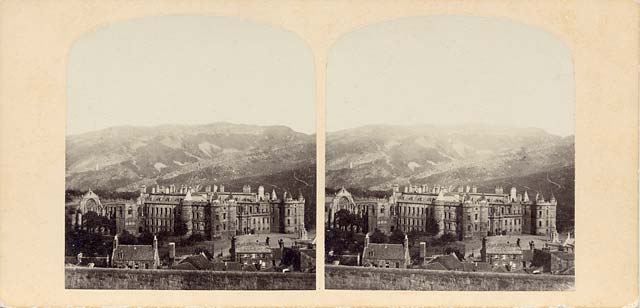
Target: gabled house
(135, 256)
(386, 255)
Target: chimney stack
(172, 252)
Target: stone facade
(462, 211)
(368, 278)
(149, 279)
(213, 213)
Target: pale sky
(451, 70)
(190, 70)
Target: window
(476, 217)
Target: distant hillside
(123, 158)
(372, 158)
(375, 157)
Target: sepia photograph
(190, 157)
(450, 158)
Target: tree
(145, 238)
(91, 221)
(360, 223)
(127, 238)
(378, 237)
(448, 238)
(449, 250)
(396, 237)
(344, 219)
(432, 226)
(180, 228)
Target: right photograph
(450, 157)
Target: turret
(274, 196)
(474, 189)
(221, 188)
(526, 196)
(514, 196)
(300, 197)
(246, 188)
(261, 192)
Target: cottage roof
(483, 267)
(435, 266)
(134, 253)
(276, 253)
(503, 249)
(527, 255)
(198, 261)
(569, 271)
(563, 255)
(234, 266)
(311, 253)
(253, 248)
(219, 266)
(384, 251)
(449, 261)
(184, 266)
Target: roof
(234, 266)
(435, 266)
(503, 249)
(219, 266)
(569, 271)
(527, 255)
(311, 253)
(563, 255)
(184, 266)
(253, 248)
(198, 261)
(449, 261)
(468, 267)
(384, 251)
(134, 253)
(483, 267)
(276, 253)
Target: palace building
(212, 213)
(462, 211)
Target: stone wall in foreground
(367, 278)
(126, 279)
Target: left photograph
(190, 157)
